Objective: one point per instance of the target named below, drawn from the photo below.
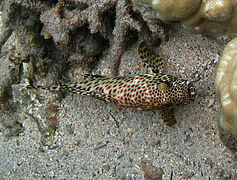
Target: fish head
(182, 91)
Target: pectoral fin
(167, 114)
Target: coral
(168, 10)
(216, 17)
(103, 17)
(22, 49)
(11, 124)
(226, 85)
(9, 73)
(43, 112)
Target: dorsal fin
(92, 76)
(152, 60)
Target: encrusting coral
(216, 17)
(226, 84)
(103, 17)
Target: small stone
(78, 142)
(42, 149)
(106, 167)
(66, 152)
(187, 175)
(146, 156)
(211, 102)
(152, 172)
(155, 143)
(111, 118)
(86, 135)
(51, 174)
(100, 172)
(164, 146)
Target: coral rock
(226, 85)
(219, 11)
(216, 17)
(170, 10)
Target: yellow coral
(171, 10)
(219, 11)
(217, 17)
(226, 84)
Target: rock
(11, 124)
(216, 17)
(170, 10)
(9, 74)
(152, 172)
(226, 87)
(211, 102)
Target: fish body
(144, 92)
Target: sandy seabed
(96, 140)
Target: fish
(151, 91)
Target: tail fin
(88, 85)
(55, 87)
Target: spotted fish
(144, 92)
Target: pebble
(152, 172)
(211, 102)
(106, 167)
(187, 175)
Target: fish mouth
(191, 91)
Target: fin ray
(152, 60)
(167, 115)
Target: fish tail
(55, 87)
(90, 85)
